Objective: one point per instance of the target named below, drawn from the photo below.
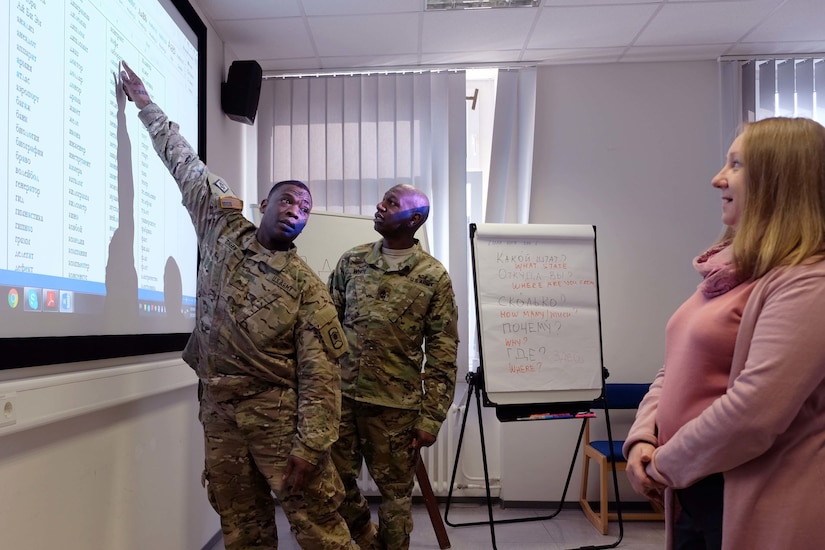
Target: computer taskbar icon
(32, 299)
(66, 301)
(42, 299)
(13, 298)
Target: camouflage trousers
(380, 436)
(247, 443)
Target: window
(481, 101)
(783, 87)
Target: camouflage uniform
(264, 347)
(388, 315)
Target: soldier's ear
(415, 220)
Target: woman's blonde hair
(783, 219)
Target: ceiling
(288, 36)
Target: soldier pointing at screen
(265, 349)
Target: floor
(568, 530)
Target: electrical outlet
(8, 409)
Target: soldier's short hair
(289, 182)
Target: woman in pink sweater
(731, 435)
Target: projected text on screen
(92, 222)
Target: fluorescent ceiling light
(479, 4)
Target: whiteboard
(537, 301)
(327, 235)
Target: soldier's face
(285, 215)
(395, 212)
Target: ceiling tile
(365, 35)
(579, 3)
(800, 20)
(266, 38)
(360, 7)
(291, 34)
(704, 22)
(589, 27)
(249, 9)
(468, 30)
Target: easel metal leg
(474, 389)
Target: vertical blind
(511, 155)
(783, 87)
(352, 137)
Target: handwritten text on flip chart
(538, 303)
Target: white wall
(108, 455)
(225, 138)
(103, 456)
(124, 475)
(630, 148)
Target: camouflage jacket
(388, 315)
(264, 318)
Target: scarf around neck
(716, 267)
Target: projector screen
(98, 255)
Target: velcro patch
(220, 184)
(334, 339)
(326, 320)
(230, 202)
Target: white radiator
(438, 459)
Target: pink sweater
(698, 353)
(767, 432)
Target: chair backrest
(622, 396)
(616, 396)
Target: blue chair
(617, 396)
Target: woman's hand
(640, 455)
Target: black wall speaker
(241, 91)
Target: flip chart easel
(539, 332)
